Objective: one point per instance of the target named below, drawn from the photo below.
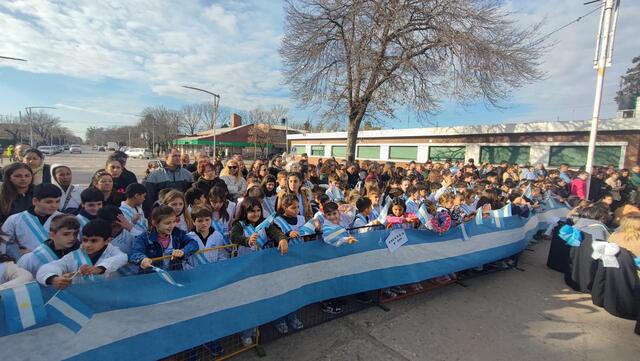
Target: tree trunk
(355, 118)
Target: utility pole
(214, 113)
(604, 53)
(28, 110)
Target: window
(576, 156)
(338, 151)
(317, 150)
(495, 155)
(403, 152)
(369, 151)
(300, 149)
(441, 154)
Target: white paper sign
(396, 238)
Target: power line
(574, 21)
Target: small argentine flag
(200, 258)
(527, 192)
(166, 276)
(69, 311)
(423, 214)
(465, 235)
(479, 216)
(23, 307)
(266, 223)
(308, 228)
(382, 217)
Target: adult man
(127, 177)
(70, 200)
(171, 175)
(564, 172)
(186, 161)
(634, 183)
(352, 176)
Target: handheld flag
(423, 215)
(166, 276)
(382, 217)
(23, 307)
(200, 258)
(333, 234)
(479, 215)
(497, 217)
(69, 311)
(527, 192)
(266, 223)
(465, 235)
(308, 228)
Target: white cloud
(222, 18)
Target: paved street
(84, 165)
(507, 316)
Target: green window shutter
(369, 151)
(440, 154)
(576, 156)
(317, 150)
(403, 152)
(514, 154)
(338, 151)
(300, 149)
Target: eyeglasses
(233, 167)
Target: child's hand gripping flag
(23, 307)
(266, 223)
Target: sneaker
(282, 327)
(389, 294)
(398, 290)
(363, 298)
(296, 324)
(247, 341)
(331, 308)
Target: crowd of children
(279, 208)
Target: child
(92, 200)
(194, 197)
(412, 199)
(374, 196)
(132, 208)
(63, 239)
(289, 220)
(269, 190)
(282, 181)
(335, 190)
(163, 239)
(361, 220)
(243, 232)
(120, 227)
(12, 275)
(332, 232)
(399, 218)
(94, 257)
(206, 236)
(28, 229)
(175, 199)
(222, 211)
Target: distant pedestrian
(1, 154)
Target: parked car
(47, 149)
(102, 149)
(74, 148)
(139, 153)
(66, 147)
(112, 146)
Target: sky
(101, 62)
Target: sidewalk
(509, 315)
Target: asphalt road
(510, 315)
(84, 165)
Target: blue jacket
(146, 245)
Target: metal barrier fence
(318, 313)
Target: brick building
(550, 143)
(239, 138)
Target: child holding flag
(207, 237)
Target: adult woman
(541, 171)
(209, 178)
(104, 183)
(35, 160)
(255, 168)
(294, 186)
(15, 191)
(70, 201)
(613, 181)
(114, 168)
(512, 173)
(233, 178)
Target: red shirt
(579, 188)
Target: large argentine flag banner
(143, 317)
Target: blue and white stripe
(35, 227)
(44, 254)
(69, 311)
(23, 307)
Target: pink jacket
(579, 188)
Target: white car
(139, 153)
(47, 149)
(75, 149)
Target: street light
(28, 111)
(10, 58)
(214, 113)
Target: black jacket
(162, 178)
(614, 288)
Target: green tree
(629, 91)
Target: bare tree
(14, 127)
(364, 58)
(262, 133)
(192, 118)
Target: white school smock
(12, 276)
(141, 225)
(32, 262)
(111, 259)
(24, 230)
(214, 239)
